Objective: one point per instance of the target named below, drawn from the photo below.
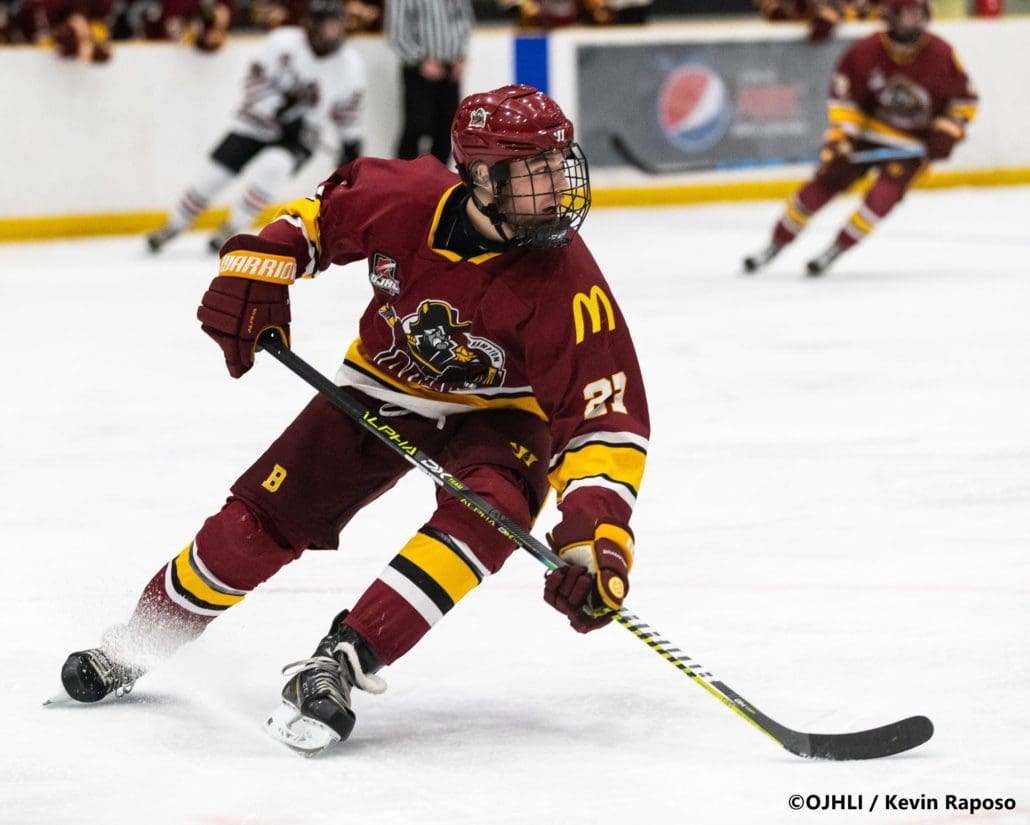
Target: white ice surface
(835, 519)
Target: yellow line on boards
(48, 227)
(695, 193)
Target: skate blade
(301, 734)
(59, 698)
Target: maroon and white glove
(250, 294)
(596, 579)
(945, 133)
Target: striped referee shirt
(429, 29)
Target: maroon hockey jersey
(881, 94)
(535, 330)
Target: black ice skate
(752, 263)
(159, 237)
(90, 675)
(818, 266)
(316, 709)
(220, 236)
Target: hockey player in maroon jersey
(904, 89)
(492, 339)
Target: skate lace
(324, 675)
(117, 678)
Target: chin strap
(514, 236)
(493, 214)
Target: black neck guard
(455, 232)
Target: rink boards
(105, 149)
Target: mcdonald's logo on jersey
(584, 306)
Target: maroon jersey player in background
(903, 88)
(496, 343)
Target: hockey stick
(637, 160)
(868, 744)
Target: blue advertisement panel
(674, 107)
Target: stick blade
(874, 743)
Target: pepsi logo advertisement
(679, 106)
(694, 108)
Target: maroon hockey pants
(314, 478)
(892, 182)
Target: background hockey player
(491, 340)
(904, 88)
(308, 81)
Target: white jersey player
(306, 88)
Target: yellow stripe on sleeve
(870, 127)
(306, 210)
(840, 114)
(621, 464)
(965, 111)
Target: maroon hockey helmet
(517, 131)
(891, 10)
(512, 122)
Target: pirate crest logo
(433, 348)
(904, 104)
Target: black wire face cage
(908, 36)
(543, 200)
(320, 43)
